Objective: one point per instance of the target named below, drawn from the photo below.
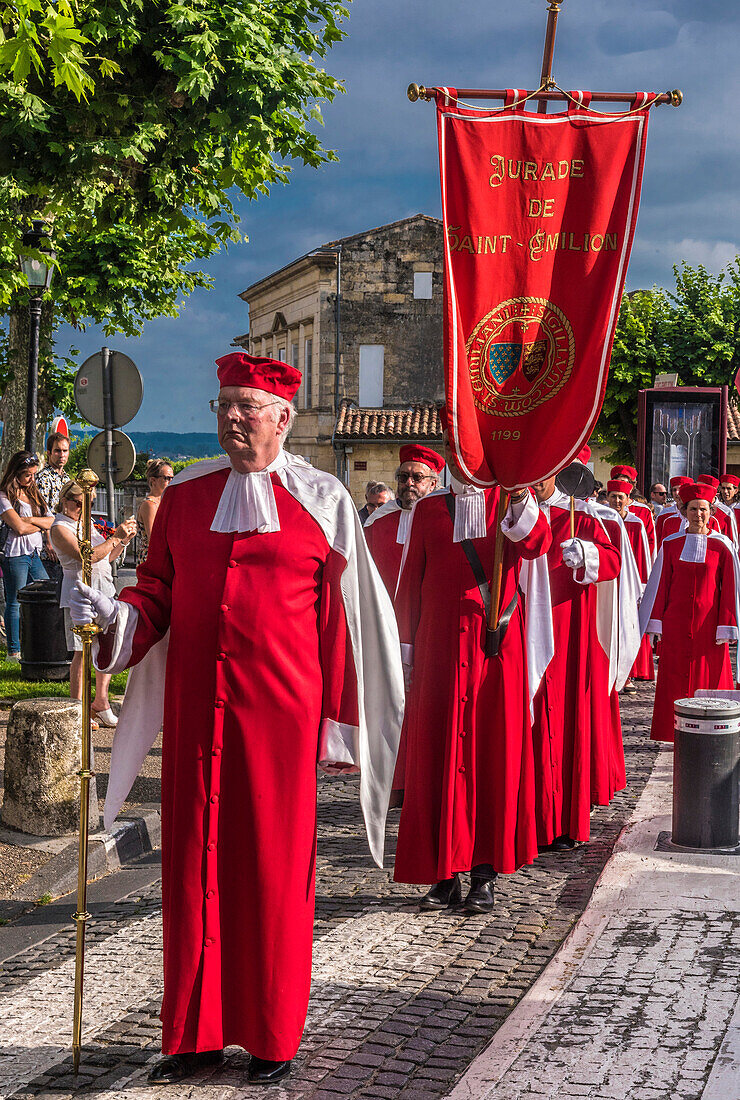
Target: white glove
(88, 606)
(573, 554)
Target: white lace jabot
(470, 511)
(248, 502)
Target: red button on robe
(258, 656)
(469, 768)
(691, 604)
(643, 668)
(575, 684)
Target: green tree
(176, 107)
(693, 331)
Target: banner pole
(87, 481)
(498, 559)
(549, 51)
(572, 517)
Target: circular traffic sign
(124, 456)
(127, 389)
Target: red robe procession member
(576, 681)
(643, 668)
(469, 769)
(669, 510)
(386, 530)
(691, 601)
(282, 653)
(642, 511)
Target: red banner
(539, 213)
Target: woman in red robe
(691, 602)
(470, 799)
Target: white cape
(375, 646)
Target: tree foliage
(129, 124)
(692, 331)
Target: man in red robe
(575, 685)
(728, 490)
(386, 530)
(642, 511)
(469, 799)
(260, 603)
(692, 603)
(723, 514)
(619, 499)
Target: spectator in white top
(65, 539)
(25, 515)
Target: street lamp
(38, 274)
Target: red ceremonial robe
(643, 668)
(645, 515)
(575, 683)
(381, 535)
(726, 522)
(608, 773)
(691, 601)
(258, 657)
(469, 768)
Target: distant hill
(172, 445)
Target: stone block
(42, 758)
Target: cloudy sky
(388, 158)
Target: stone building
(388, 370)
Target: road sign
(126, 389)
(59, 424)
(124, 456)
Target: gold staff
(87, 481)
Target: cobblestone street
(402, 1001)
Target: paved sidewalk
(402, 1001)
(643, 999)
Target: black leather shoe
(263, 1072)
(443, 894)
(480, 895)
(173, 1067)
(563, 843)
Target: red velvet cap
(691, 492)
(584, 454)
(619, 487)
(707, 479)
(414, 452)
(676, 481)
(628, 472)
(270, 375)
(730, 479)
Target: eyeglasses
(243, 408)
(416, 478)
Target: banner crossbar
(553, 95)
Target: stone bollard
(42, 758)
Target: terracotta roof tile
(733, 422)
(420, 421)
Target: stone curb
(130, 837)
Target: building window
(308, 372)
(281, 354)
(371, 376)
(422, 284)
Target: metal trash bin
(44, 654)
(706, 773)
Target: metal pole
(108, 425)
(32, 393)
(549, 50)
(87, 482)
(417, 92)
(337, 354)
